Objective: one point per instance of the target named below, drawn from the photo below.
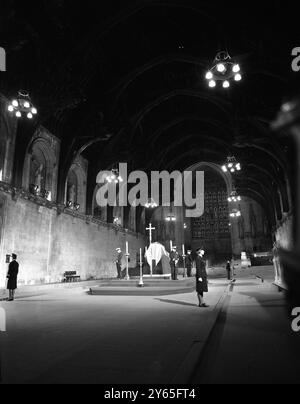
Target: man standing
(174, 258)
(189, 263)
(119, 262)
(201, 277)
(228, 269)
(12, 277)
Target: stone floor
(68, 336)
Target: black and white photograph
(149, 195)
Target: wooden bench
(71, 276)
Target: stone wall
(48, 243)
(8, 130)
(284, 233)
(284, 239)
(251, 232)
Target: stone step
(148, 282)
(139, 291)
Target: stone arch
(75, 187)
(8, 129)
(226, 177)
(40, 168)
(98, 212)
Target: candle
(171, 245)
(127, 250)
(183, 250)
(141, 259)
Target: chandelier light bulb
(221, 68)
(15, 103)
(212, 84)
(209, 76)
(18, 114)
(224, 169)
(29, 115)
(226, 84)
(238, 77)
(26, 104)
(236, 68)
(34, 111)
(11, 108)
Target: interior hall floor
(68, 336)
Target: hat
(14, 256)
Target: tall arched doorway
(212, 230)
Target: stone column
(288, 121)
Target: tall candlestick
(183, 250)
(127, 262)
(141, 283)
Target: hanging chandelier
(151, 204)
(117, 221)
(73, 205)
(114, 177)
(235, 213)
(224, 71)
(22, 106)
(171, 218)
(234, 197)
(231, 165)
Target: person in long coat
(174, 258)
(228, 269)
(12, 277)
(119, 262)
(201, 277)
(189, 263)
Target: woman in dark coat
(228, 269)
(201, 277)
(12, 277)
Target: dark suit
(201, 273)
(174, 257)
(228, 269)
(119, 265)
(189, 265)
(12, 275)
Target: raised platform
(152, 287)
